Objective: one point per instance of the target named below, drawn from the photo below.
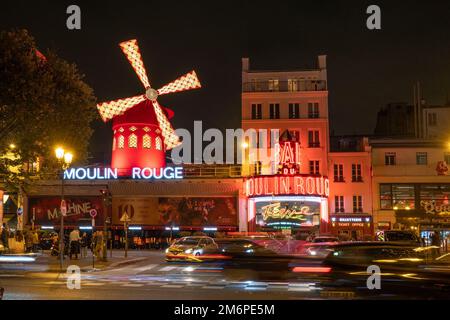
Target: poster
(46, 210)
(216, 211)
(141, 210)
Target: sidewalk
(51, 263)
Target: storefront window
(438, 193)
(397, 196)
(385, 196)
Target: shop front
(158, 210)
(420, 207)
(352, 227)
(298, 203)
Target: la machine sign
(166, 173)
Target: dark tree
(44, 102)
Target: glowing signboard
(168, 173)
(289, 185)
(276, 211)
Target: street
(145, 275)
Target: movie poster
(198, 211)
(46, 210)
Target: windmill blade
(171, 140)
(131, 50)
(188, 81)
(109, 110)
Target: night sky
(366, 69)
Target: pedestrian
(28, 241)
(84, 245)
(5, 236)
(99, 244)
(74, 243)
(436, 241)
(36, 241)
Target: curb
(126, 262)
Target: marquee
(287, 185)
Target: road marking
(172, 286)
(167, 268)
(132, 285)
(145, 268)
(92, 284)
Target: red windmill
(142, 131)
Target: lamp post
(64, 160)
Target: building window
(256, 111)
(397, 196)
(421, 158)
(338, 173)
(447, 157)
(357, 204)
(133, 128)
(313, 139)
(339, 203)
(389, 158)
(158, 143)
(293, 85)
(314, 167)
(294, 111)
(121, 143)
(356, 172)
(273, 85)
(432, 119)
(132, 141)
(274, 111)
(313, 110)
(146, 141)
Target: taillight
(312, 269)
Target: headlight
(188, 251)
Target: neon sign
(274, 211)
(288, 158)
(289, 185)
(168, 173)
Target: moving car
(320, 239)
(191, 248)
(399, 236)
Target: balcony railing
(285, 86)
(211, 171)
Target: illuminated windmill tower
(142, 131)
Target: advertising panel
(47, 211)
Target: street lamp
(64, 160)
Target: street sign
(19, 211)
(63, 207)
(93, 213)
(125, 218)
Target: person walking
(84, 245)
(28, 241)
(5, 236)
(99, 244)
(74, 243)
(437, 242)
(35, 241)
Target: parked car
(191, 248)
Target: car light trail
(312, 269)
